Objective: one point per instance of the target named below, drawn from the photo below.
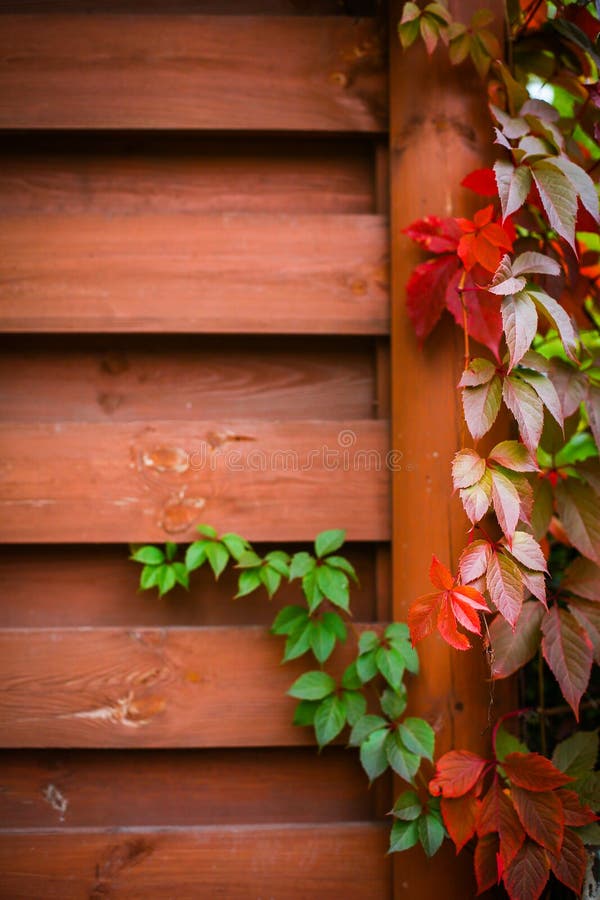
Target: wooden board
(298, 862)
(161, 71)
(144, 482)
(56, 378)
(65, 586)
(136, 174)
(221, 273)
(57, 789)
(175, 687)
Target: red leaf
(575, 812)
(422, 615)
(533, 772)
(512, 649)
(426, 293)
(569, 652)
(439, 575)
(460, 815)
(569, 867)
(528, 874)
(505, 586)
(541, 815)
(498, 814)
(456, 773)
(484, 320)
(482, 181)
(486, 863)
(435, 234)
(446, 624)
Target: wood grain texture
(56, 789)
(65, 586)
(201, 72)
(118, 378)
(299, 862)
(227, 273)
(135, 174)
(139, 482)
(174, 687)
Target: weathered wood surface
(218, 273)
(118, 378)
(57, 789)
(65, 586)
(143, 482)
(299, 862)
(137, 174)
(161, 71)
(175, 687)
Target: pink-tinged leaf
(541, 816)
(546, 392)
(579, 513)
(580, 181)
(430, 32)
(440, 576)
(467, 468)
(481, 406)
(498, 814)
(513, 186)
(474, 560)
(528, 874)
(426, 293)
(537, 362)
(512, 649)
(570, 385)
(570, 864)
(558, 318)
(568, 651)
(479, 371)
(533, 772)
(592, 405)
(582, 577)
(575, 812)
(503, 282)
(535, 583)
(590, 472)
(558, 197)
(531, 263)
(456, 773)
(446, 624)
(588, 616)
(519, 321)
(506, 502)
(459, 815)
(527, 551)
(477, 498)
(484, 321)
(435, 234)
(486, 863)
(543, 504)
(505, 586)
(422, 616)
(525, 492)
(513, 455)
(526, 407)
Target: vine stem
(540, 709)
(461, 293)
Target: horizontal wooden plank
(134, 174)
(127, 788)
(281, 481)
(221, 273)
(52, 378)
(209, 7)
(65, 585)
(298, 862)
(160, 71)
(172, 687)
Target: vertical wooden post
(438, 131)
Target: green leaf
(393, 703)
(305, 712)
(368, 640)
(322, 642)
(350, 679)
(298, 642)
(218, 556)
(506, 743)
(312, 592)
(302, 563)
(248, 559)
(207, 530)
(403, 762)
(270, 578)
(431, 833)
(576, 756)
(330, 718)
(149, 577)
(289, 619)
(149, 555)
(340, 562)
(181, 574)
(356, 706)
(235, 544)
(418, 736)
(408, 806)
(333, 583)
(165, 579)
(391, 665)
(313, 686)
(404, 835)
(373, 757)
(248, 581)
(279, 561)
(335, 625)
(328, 541)
(364, 727)
(195, 555)
(397, 631)
(170, 550)
(366, 666)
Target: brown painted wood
(268, 73)
(60, 789)
(300, 862)
(65, 586)
(171, 687)
(225, 273)
(163, 173)
(58, 378)
(145, 482)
